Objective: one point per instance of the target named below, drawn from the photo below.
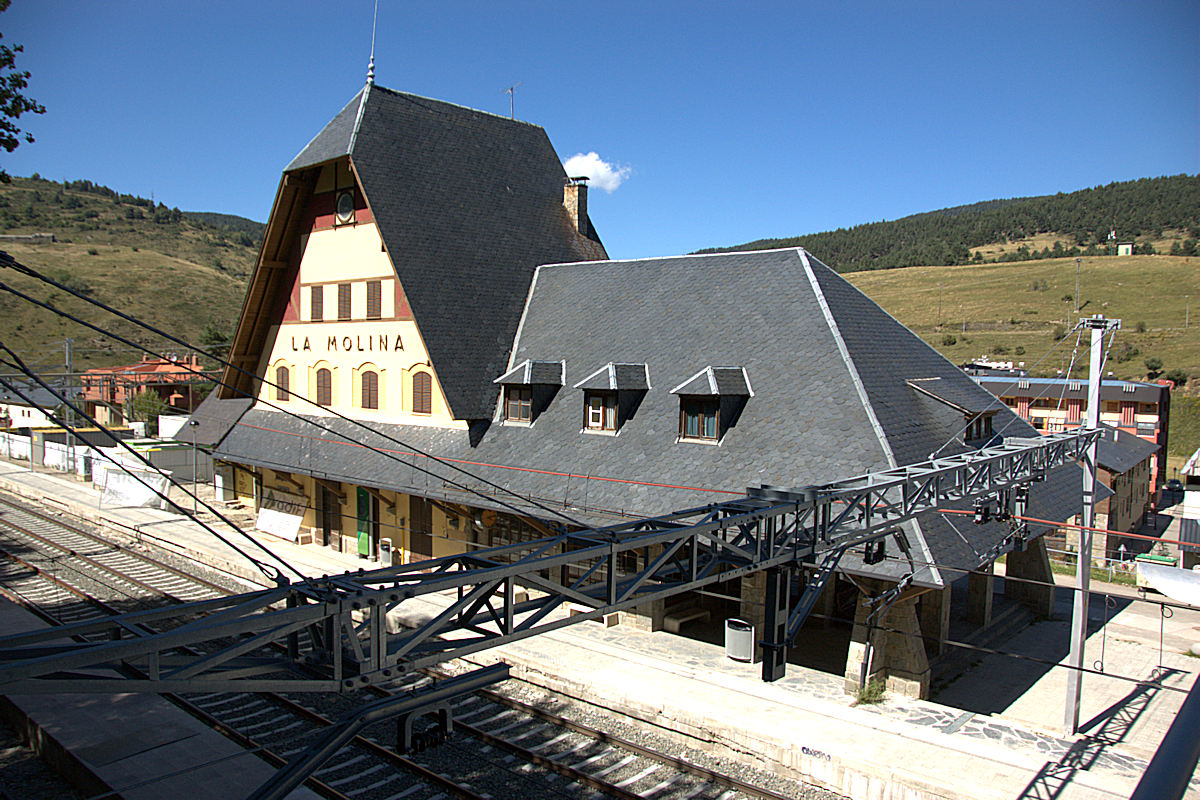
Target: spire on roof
(371, 63)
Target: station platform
(804, 725)
(131, 746)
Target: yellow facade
(389, 347)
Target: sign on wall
(280, 513)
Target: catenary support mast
(1099, 326)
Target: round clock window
(345, 207)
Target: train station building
(435, 355)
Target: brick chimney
(575, 201)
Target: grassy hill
(180, 272)
(1159, 214)
(1023, 312)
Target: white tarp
(128, 487)
(1181, 585)
(280, 513)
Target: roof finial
(371, 63)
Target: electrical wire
(266, 569)
(7, 260)
(995, 402)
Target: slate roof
(12, 389)
(1115, 390)
(831, 401)
(965, 398)
(214, 418)
(1120, 451)
(468, 204)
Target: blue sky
(731, 121)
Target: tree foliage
(12, 102)
(1143, 208)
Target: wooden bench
(675, 620)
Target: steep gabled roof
(468, 204)
(831, 399)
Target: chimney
(575, 201)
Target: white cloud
(606, 175)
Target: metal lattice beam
(341, 622)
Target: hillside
(184, 273)
(1160, 214)
(1024, 312)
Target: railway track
(501, 748)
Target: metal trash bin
(739, 640)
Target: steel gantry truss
(344, 632)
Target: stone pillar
(897, 651)
(935, 619)
(753, 609)
(1032, 564)
(980, 586)
(646, 617)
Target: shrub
(1020, 350)
(1059, 332)
(949, 340)
(874, 692)
(1141, 327)
(999, 350)
(1154, 366)
(1178, 376)
(93, 251)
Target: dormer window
(601, 411)
(611, 395)
(518, 404)
(711, 401)
(528, 389)
(698, 417)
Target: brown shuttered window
(374, 299)
(518, 405)
(324, 387)
(343, 301)
(370, 390)
(422, 393)
(283, 377)
(317, 296)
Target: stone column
(897, 650)
(935, 619)
(980, 586)
(1032, 564)
(753, 607)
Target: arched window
(283, 377)
(324, 387)
(370, 390)
(422, 395)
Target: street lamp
(193, 424)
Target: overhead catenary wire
(270, 571)
(995, 402)
(8, 261)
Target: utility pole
(69, 412)
(1083, 567)
(1077, 287)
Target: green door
(364, 522)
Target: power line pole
(1083, 567)
(70, 409)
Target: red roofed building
(108, 392)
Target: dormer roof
(717, 381)
(618, 377)
(541, 373)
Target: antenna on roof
(371, 63)
(512, 93)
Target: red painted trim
(402, 309)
